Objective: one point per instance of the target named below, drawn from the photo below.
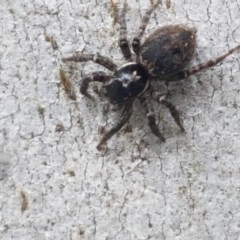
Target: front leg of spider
(126, 114)
(97, 58)
(98, 76)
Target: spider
(164, 56)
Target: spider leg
(123, 41)
(97, 58)
(174, 112)
(137, 39)
(151, 118)
(203, 66)
(98, 76)
(126, 114)
(211, 63)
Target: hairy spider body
(165, 55)
(165, 52)
(168, 50)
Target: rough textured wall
(54, 184)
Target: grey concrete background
(54, 184)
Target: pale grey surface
(187, 188)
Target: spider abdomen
(168, 50)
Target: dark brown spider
(164, 56)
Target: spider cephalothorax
(128, 82)
(164, 55)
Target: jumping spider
(164, 56)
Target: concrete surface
(54, 184)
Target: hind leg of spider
(203, 66)
(137, 39)
(97, 58)
(123, 41)
(172, 109)
(151, 118)
(126, 114)
(98, 76)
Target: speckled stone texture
(54, 184)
